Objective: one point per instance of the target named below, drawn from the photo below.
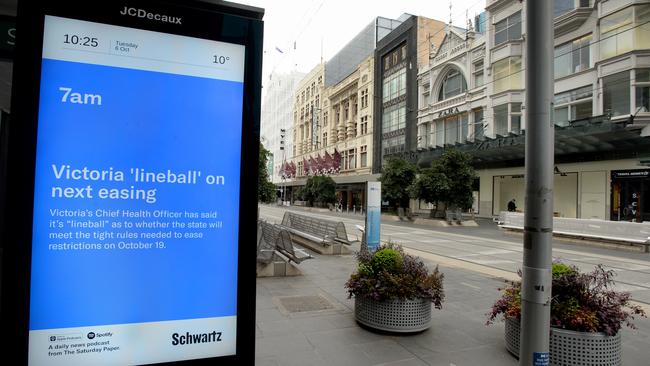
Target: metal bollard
(354, 209)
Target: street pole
(538, 218)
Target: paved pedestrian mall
(309, 320)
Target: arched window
(453, 84)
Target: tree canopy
(265, 189)
(320, 189)
(448, 180)
(396, 176)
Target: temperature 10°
(220, 59)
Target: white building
(472, 97)
(277, 116)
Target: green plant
(320, 189)
(396, 176)
(266, 191)
(449, 180)
(387, 273)
(582, 302)
(387, 259)
(559, 269)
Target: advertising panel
(373, 215)
(136, 211)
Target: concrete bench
(322, 236)
(614, 231)
(453, 216)
(275, 252)
(265, 250)
(282, 241)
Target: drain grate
(298, 304)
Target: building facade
(472, 98)
(334, 137)
(333, 123)
(277, 119)
(397, 59)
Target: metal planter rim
(569, 347)
(401, 316)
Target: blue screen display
(136, 196)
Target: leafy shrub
(582, 302)
(387, 259)
(387, 273)
(559, 269)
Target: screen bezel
(217, 21)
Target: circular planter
(393, 316)
(568, 347)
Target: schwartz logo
(194, 338)
(141, 13)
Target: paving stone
(457, 337)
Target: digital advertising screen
(136, 211)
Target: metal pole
(538, 218)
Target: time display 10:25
(80, 40)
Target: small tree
(396, 176)
(431, 186)
(448, 181)
(319, 189)
(265, 189)
(457, 166)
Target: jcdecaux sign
(131, 234)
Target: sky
(320, 28)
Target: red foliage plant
(583, 302)
(387, 273)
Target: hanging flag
(328, 163)
(336, 166)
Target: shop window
(642, 90)
(478, 124)
(624, 31)
(427, 134)
(501, 119)
(394, 118)
(364, 125)
(439, 133)
(616, 91)
(451, 130)
(507, 74)
(464, 127)
(453, 84)
(515, 118)
(425, 95)
(508, 29)
(572, 57)
(393, 145)
(478, 74)
(562, 7)
(394, 85)
(573, 105)
(352, 160)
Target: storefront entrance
(351, 197)
(631, 195)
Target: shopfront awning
(596, 138)
(338, 179)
